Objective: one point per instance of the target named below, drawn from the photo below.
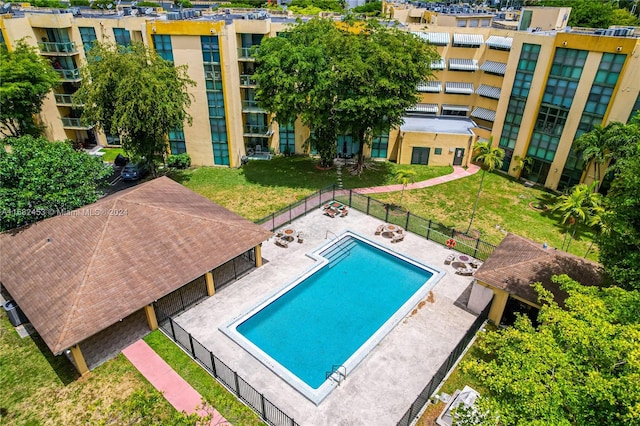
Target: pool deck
(383, 386)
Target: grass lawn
(110, 154)
(262, 187)
(214, 393)
(37, 388)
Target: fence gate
(180, 299)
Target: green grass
(262, 187)
(37, 388)
(110, 154)
(214, 393)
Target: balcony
(251, 106)
(69, 75)
(247, 80)
(73, 123)
(257, 130)
(244, 53)
(58, 49)
(64, 99)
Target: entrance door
(458, 156)
(420, 156)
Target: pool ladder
(338, 373)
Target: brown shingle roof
(518, 262)
(76, 274)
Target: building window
(635, 109)
(287, 139)
(122, 36)
(215, 99)
(88, 36)
(347, 147)
(379, 145)
(162, 44)
(437, 151)
(462, 23)
(176, 142)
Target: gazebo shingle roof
(74, 275)
(518, 262)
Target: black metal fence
(426, 228)
(181, 299)
(234, 269)
(268, 411)
(423, 398)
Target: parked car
(134, 171)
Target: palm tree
(488, 158)
(594, 147)
(581, 205)
(523, 164)
(405, 177)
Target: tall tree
(354, 77)
(132, 92)
(580, 206)
(405, 177)
(25, 80)
(489, 158)
(593, 13)
(579, 366)
(40, 179)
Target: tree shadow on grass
(60, 364)
(180, 176)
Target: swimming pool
(334, 314)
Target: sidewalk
(458, 173)
(175, 389)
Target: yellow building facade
(520, 77)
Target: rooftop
(454, 125)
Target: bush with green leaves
(180, 161)
(79, 2)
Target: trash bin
(15, 314)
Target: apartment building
(521, 77)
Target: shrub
(180, 161)
(148, 4)
(79, 2)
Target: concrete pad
(381, 389)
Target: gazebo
(516, 264)
(81, 276)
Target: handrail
(338, 370)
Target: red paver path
(175, 389)
(458, 173)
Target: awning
(425, 108)
(438, 39)
(463, 64)
(459, 88)
(494, 67)
(464, 108)
(484, 114)
(498, 42)
(469, 40)
(430, 87)
(438, 65)
(488, 91)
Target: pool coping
(317, 395)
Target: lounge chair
(465, 271)
(450, 259)
(397, 238)
(475, 263)
(379, 229)
(300, 237)
(282, 242)
(330, 212)
(344, 211)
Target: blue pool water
(325, 318)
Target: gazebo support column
(211, 288)
(78, 359)
(258, 253)
(500, 298)
(150, 313)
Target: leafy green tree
(354, 77)
(25, 80)
(522, 164)
(579, 366)
(405, 177)
(580, 206)
(132, 92)
(489, 158)
(40, 179)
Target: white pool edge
(318, 395)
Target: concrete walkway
(458, 173)
(175, 389)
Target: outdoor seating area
(389, 230)
(288, 235)
(463, 264)
(335, 208)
